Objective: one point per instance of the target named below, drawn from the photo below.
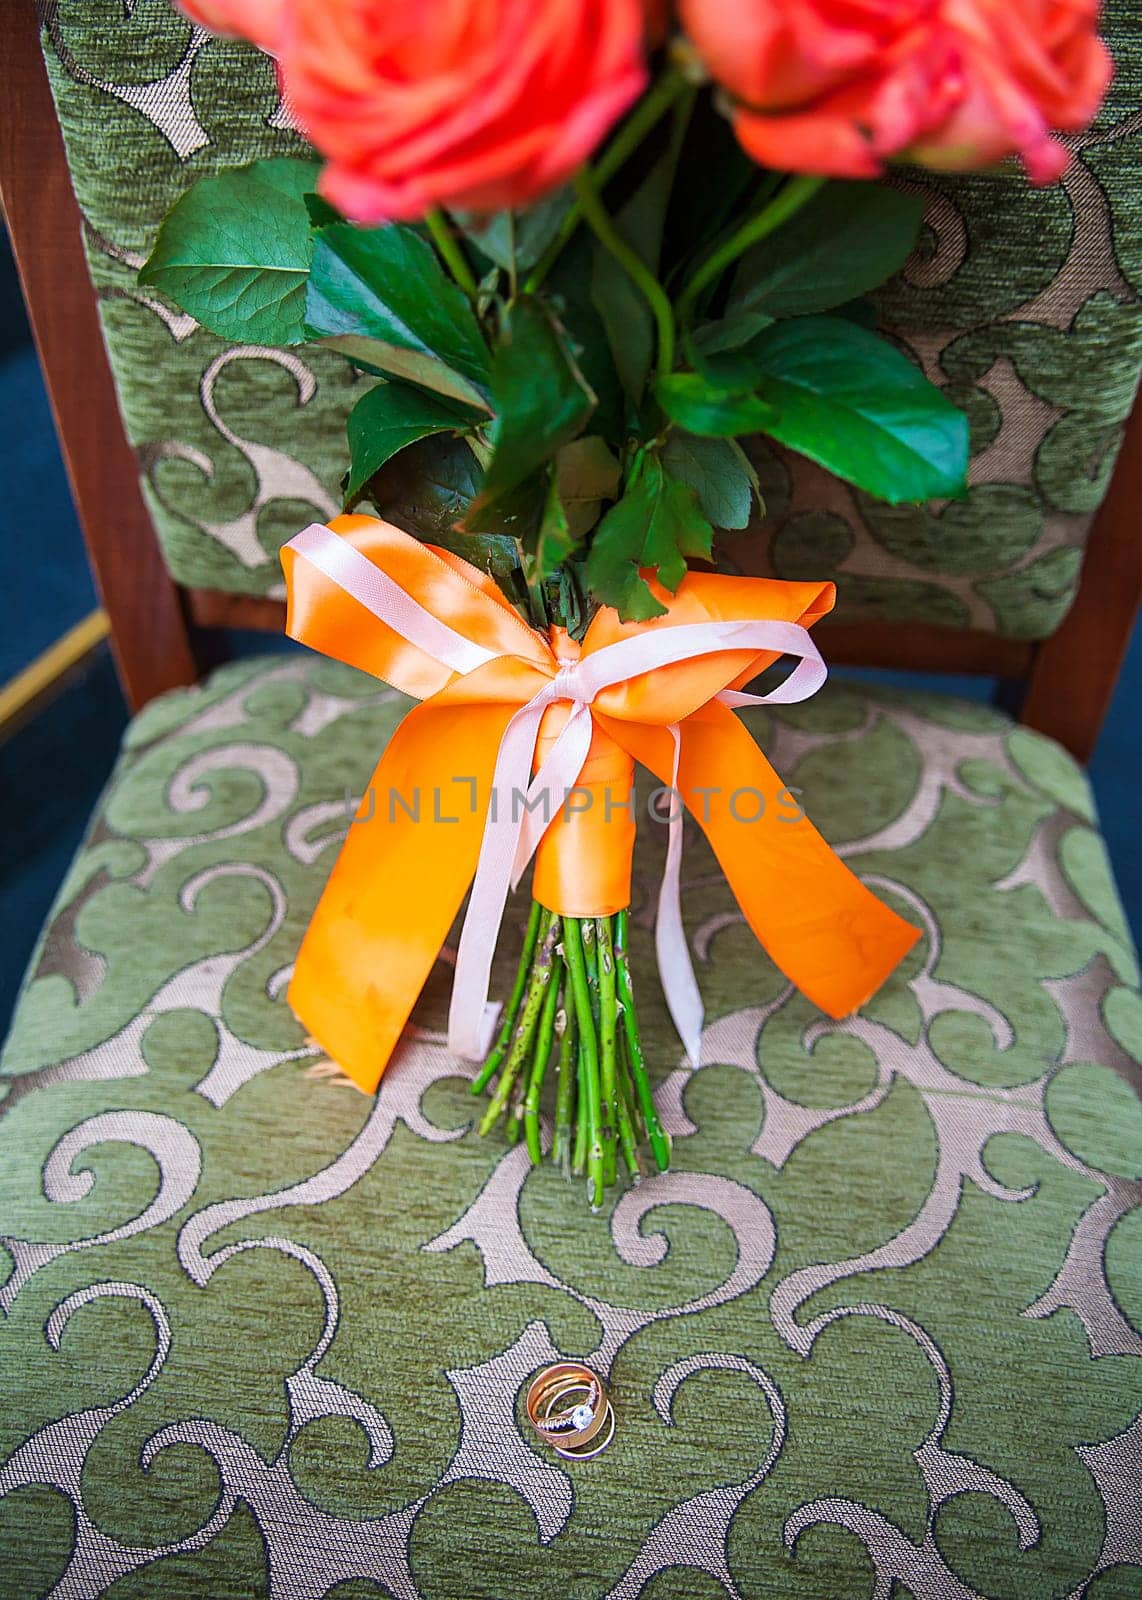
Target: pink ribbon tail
(675, 967)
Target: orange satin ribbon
(400, 879)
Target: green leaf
(487, 290)
(534, 230)
(390, 418)
(730, 333)
(541, 399)
(733, 369)
(569, 602)
(569, 287)
(724, 352)
(621, 304)
(320, 212)
(747, 465)
(850, 238)
(381, 297)
(658, 524)
(865, 313)
(699, 406)
(718, 473)
(518, 512)
(628, 321)
(235, 250)
(497, 554)
(586, 474)
(851, 402)
(554, 540)
(427, 489)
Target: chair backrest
(1023, 302)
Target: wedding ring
(568, 1407)
(566, 1404)
(594, 1447)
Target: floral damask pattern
(1013, 303)
(1023, 303)
(878, 1332)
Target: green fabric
(239, 445)
(876, 1334)
(1024, 302)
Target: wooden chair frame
(160, 632)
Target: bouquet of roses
(582, 248)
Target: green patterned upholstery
(877, 1333)
(1025, 303)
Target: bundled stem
(543, 1038)
(608, 1026)
(492, 1064)
(528, 1022)
(589, 1058)
(571, 989)
(659, 1141)
(561, 1145)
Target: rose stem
(525, 1032)
(587, 935)
(543, 1040)
(628, 1139)
(588, 1052)
(659, 1141)
(579, 1158)
(631, 1130)
(565, 1087)
(627, 1081)
(523, 973)
(591, 962)
(598, 220)
(608, 1023)
(788, 200)
(450, 248)
(630, 1123)
(649, 111)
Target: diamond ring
(568, 1407)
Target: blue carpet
(1116, 773)
(52, 770)
(41, 541)
(49, 587)
(51, 774)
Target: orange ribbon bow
(474, 665)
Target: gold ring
(568, 1407)
(558, 1422)
(595, 1448)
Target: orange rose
(841, 86)
(475, 104)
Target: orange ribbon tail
(829, 934)
(397, 885)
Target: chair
(879, 1330)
